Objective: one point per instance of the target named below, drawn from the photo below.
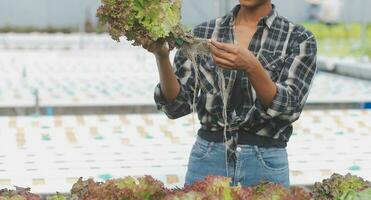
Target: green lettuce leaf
(143, 21)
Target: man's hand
(231, 56)
(159, 48)
(168, 81)
(236, 57)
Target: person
(330, 12)
(270, 62)
(313, 10)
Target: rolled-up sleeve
(182, 105)
(297, 75)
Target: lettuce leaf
(143, 21)
(364, 195)
(338, 187)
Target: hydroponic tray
(333, 88)
(58, 41)
(50, 153)
(77, 78)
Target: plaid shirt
(288, 53)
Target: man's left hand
(232, 56)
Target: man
(313, 10)
(271, 63)
(330, 12)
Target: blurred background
(74, 103)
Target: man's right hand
(168, 81)
(159, 48)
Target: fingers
(171, 46)
(156, 47)
(222, 58)
(223, 62)
(148, 45)
(164, 46)
(231, 48)
(221, 54)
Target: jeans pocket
(201, 149)
(273, 159)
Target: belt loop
(257, 152)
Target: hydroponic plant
(212, 188)
(56, 197)
(18, 194)
(339, 187)
(129, 188)
(143, 21)
(272, 191)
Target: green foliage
(353, 195)
(143, 21)
(187, 196)
(363, 195)
(299, 193)
(57, 197)
(129, 188)
(272, 191)
(15, 197)
(30, 29)
(340, 31)
(341, 40)
(212, 188)
(18, 194)
(337, 186)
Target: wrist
(163, 62)
(162, 55)
(162, 50)
(253, 67)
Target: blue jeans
(252, 165)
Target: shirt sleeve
(293, 89)
(183, 103)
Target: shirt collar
(267, 20)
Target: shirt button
(239, 149)
(274, 66)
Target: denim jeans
(252, 164)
